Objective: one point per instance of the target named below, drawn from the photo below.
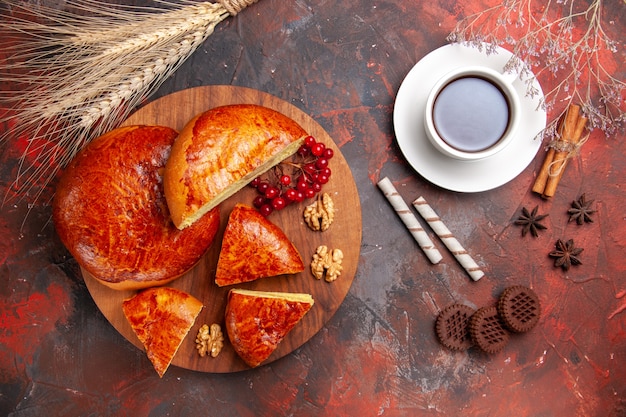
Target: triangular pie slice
(253, 247)
(257, 321)
(161, 317)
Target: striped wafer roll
(409, 220)
(448, 239)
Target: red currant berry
(258, 201)
(309, 193)
(279, 203)
(309, 141)
(328, 153)
(263, 186)
(326, 171)
(299, 197)
(321, 163)
(266, 209)
(317, 187)
(272, 192)
(285, 180)
(303, 150)
(291, 194)
(318, 149)
(302, 184)
(255, 182)
(322, 179)
(309, 168)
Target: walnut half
(327, 263)
(210, 340)
(320, 214)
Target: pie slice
(253, 248)
(257, 321)
(221, 150)
(161, 318)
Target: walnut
(210, 340)
(320, 214)
(327, 263)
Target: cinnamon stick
(569, 129)
(542, 177)
(544, 172)
(562, 157)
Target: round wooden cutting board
(345, 233)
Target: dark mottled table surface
(342, 62)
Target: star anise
(581, 210)
(530, 221)
(566, 254)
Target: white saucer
(450, 173)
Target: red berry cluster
(295, 180)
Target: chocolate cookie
(452, 326)
(487, 331)
(519, 308)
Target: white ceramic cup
(472, 113)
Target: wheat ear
(77, 73)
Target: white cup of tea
(472, 113)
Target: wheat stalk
(77, 73)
